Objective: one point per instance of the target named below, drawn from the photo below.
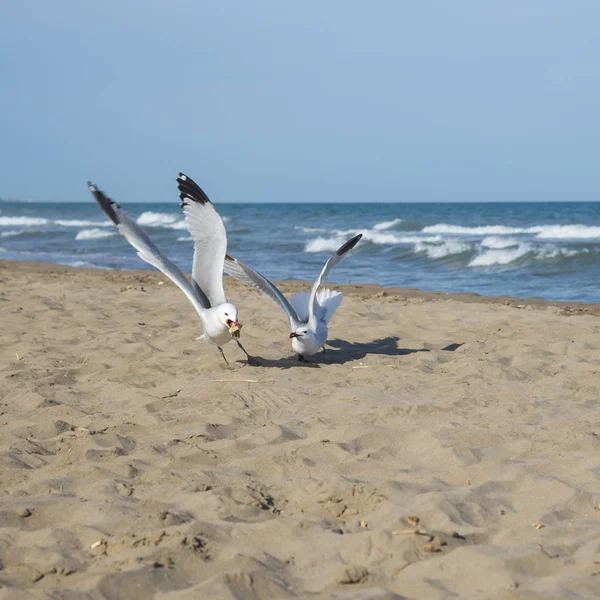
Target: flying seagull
(309, 314)
(205, 292)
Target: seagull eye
(226, 315)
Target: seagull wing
(146, 250)
(210, 240)
(334, 260)
(238, 270)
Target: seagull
(309, 314)
(205, 292)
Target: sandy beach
(448, 447)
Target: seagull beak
(294, 334)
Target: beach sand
(448, 447)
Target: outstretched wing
(238, 270)
(210, 240)
(146, 250)
(334, 260)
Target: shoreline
(369, 290)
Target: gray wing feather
(146, 249)
(210, 240)
(247, 275)
(333, 260)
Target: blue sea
(538, 250)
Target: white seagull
(205, 292)
(309, 314)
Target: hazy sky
(268, 100)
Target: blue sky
(301, 101)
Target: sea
(542, 250)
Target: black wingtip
(190, 190)
(106, 204)
(349, 245)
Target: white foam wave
(322, 244)
(23, 221)
(582, 232)
(386, 224)
(499, 243)
(417, 239)
(78, 223)
(480, 230)
(311, 229)
(154, 219)
(498, 256)
(505, 256)
(331, 244)
(568, 232)
(442, 250)
(178, 225)
(93, 234)
(377, 237)
(11, 233)
(184, 238)
(80, 263)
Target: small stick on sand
(412, 532)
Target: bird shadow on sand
(340, 352)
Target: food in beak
(234, 328)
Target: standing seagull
(219, 317)
(309, 314)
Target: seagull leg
(301, 358)
(324, 351)
(251, 361)
(223, 355)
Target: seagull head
(300, 332)
(229, 316)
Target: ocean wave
(505, 256)
(184, 238)
(311, 229)
(177, 225)
(155, 219)
(480, 230)
(79, 223)
(568, 232)
(167, 220)
(322, 244)
(23, 221)
(499, 256)
(498, 243)
(582, 232)
(386, 224)
(93, 234)
(446, 248)
(11, 233)
(331, 244)
(80, 263)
